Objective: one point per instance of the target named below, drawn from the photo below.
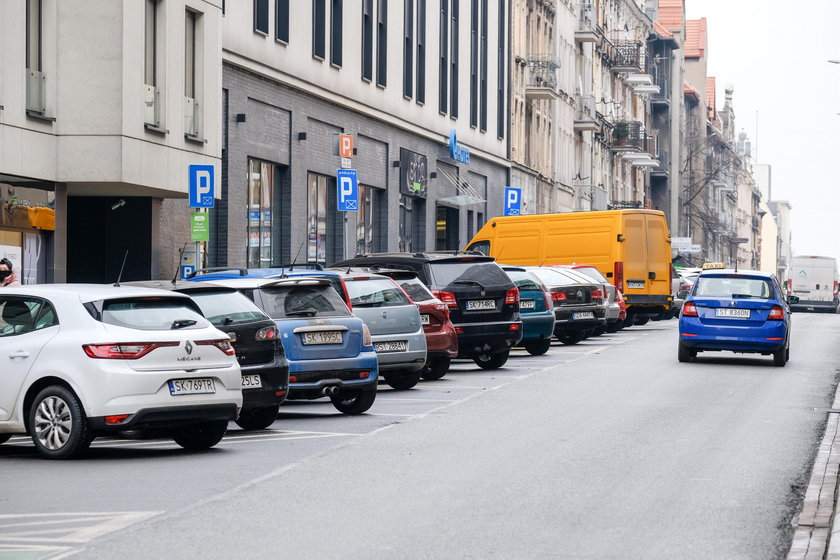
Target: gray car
(394, 323)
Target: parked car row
(185, 358)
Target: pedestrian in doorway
(8, 278)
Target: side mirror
(793, 299)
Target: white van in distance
(814, 280)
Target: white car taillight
(124, 350)
(222, 344)
(367, 340)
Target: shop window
(367, 218)
(325, 225)
(447, 228)
(262, 177)
(412, 224)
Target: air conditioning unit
(151, 105)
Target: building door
(447, 222)
(325, 224)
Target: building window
(382, 44)
(191, 112)
(421, 51)
(319, 29)
(281, 21)
(453, 59)
(261, 190)
(500, 74)
(35, 88)
(482, 85)
(261, 16)
(367, 40)
(474, 18)
(447, 225)
(337, 32)
(366, 237)
(150, 47)
(408, 48)
(325, 224)
(443, 67)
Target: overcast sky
(775, 55)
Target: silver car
(394, 323)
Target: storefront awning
(466, 196)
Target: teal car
(535, 308)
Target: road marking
(65, 526)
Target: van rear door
(635, 255)
(658, 256)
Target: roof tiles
(695, 38)
(671, 14)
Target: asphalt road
(606, 449)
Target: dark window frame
(261, 17)
(337, 33)
(367, 40)
(421, 52)
(454, 13)
(443, 61)
(482, 83)
(408, 48)
(319, 32)
(281, 21)
(382, 44)
(500, 73)
(474, 19)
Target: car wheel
(657, 317)
(780, 357)
(571, 337)
(354, 402)
(629, 321)
(200, 436)
(58, 425)
(436, 368)
(615, 326)
(537, 347)
(685, 354)
(491, 361)
(403, 380)
(4, 438)
(257, 418)
(642, 319)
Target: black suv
(254, 337)
(483, 302)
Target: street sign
(202, 186)
(343, 145)
(680, 242)
(200, 226)
(692, 250)
(347, 184)
(513, 201)
(187, 264)
(346, 163)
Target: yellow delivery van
(632, 248)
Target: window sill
(194, 138)
(33, 114)
(154, 128)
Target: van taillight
(446, 297)
(689, 310)
(835, 287)
(618, 273)
(512, 296)
(125, 351)
(789, 286)
(776, 314)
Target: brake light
(367, 340)
(512, 296)
(268, 333)
(776, 314)
(222, 344)
(547, 299)
(689, 310)
(124, 351)
(835, 287)
(618, 273)
(557, 297)
(345, 295)
(515, 326)
(446, 297)
(597, 294)
(116, 419)
(789, 286)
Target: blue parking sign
(513, 201)
(202, 186)
(347, 184)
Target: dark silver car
(394, 322)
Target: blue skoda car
(737, 311)
(330, 351)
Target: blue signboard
(348, 190)
(513, 201)
(456, 150)
(202, 186)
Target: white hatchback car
(82, 360)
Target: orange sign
(345, 145)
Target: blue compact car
(737, 311)
(535, 308)
(330, 351)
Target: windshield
(380, 292)
(733, 286)
(227, 308)
(553, 277)
(592, 272)
(150, 313)
(524, 281)
(303, 301)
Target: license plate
(583, 315)
(251, 381)
(424, 319)
(635, 285)
(322, 337)
(390, 346)
(526, 304)
(735, 313)
(479, 304)
(197, 386)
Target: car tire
(58, 425)
(642, 319)
(615, 326)
(436, 368)
(354, 402)
(537, 347)
(203, 435)
(492, 361)
(570, 338)
(403, 380)
(4, 438)
(684, 353)
(629, 321)
(257, 418)
(780, 357)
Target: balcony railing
(542, 77)
(628, 137)
(36, 92)
(190, 117)
(664, 167)
(585, 116)
(586, 31)
(661, 78)
(151, 105)
(628, 57)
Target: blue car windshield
(303, 301)
(733, 286)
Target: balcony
(586, 32)
(585, 118)
(664, 167)
(628, 57)
(36, 104)
(661, 78)
(542, 78)
(628, 137)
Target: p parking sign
(202, 186)
(513, 201)
(347, 184)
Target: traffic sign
(200, 226)
(513, 201)
(202, 186)
(343, 145)
(347, 184)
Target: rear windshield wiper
(366, 303)
(182, 323)
(475, 282)
(302, 313)
(747, 296)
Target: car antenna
(294, 262)
(119, 276)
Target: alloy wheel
(53, 423)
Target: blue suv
(737, 311)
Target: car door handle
(19, 354)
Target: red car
(441, 338)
